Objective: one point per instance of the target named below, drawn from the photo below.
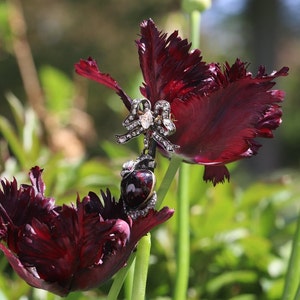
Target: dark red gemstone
(137, 188)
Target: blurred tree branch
(59, 138)
(24, 57)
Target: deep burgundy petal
(218, 112)
(170, 71)
(116, 261)
(68, 248)
(35, 176)
(19, 205)
(216, 174)
(219, 127)
(72, 241)
(109, 209)
(89, 69)
(29, 275)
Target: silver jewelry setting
(156, 124)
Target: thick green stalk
(161, 193)
(167, 180)
(293, 273)
(195, 19)
(143, 253)
(119, 280)
(183, 232)
(128, 284)
(183, 235)
(141, 268)
(297, 297)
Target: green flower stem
(141, 268)
(167, 180)
(143, 252)
(120, 277)
(297, 297)
(128, 284)
(293, 273)
(119, 280)
(143, 249)
(183, 230)
(183, 235)
(195, 19)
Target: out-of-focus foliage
(240, 240)
(58, 88)
(240, 233)
(24, 145)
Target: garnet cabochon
(137, 187)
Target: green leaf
(113, 151)
(5, 32)
(31, 136)
(293, 272)
(234, 277)
(258, 192)
(12, 140)
(59, 89)
(17, 111)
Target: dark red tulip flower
(67, 248)
(218, 111)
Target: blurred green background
(240, 232)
